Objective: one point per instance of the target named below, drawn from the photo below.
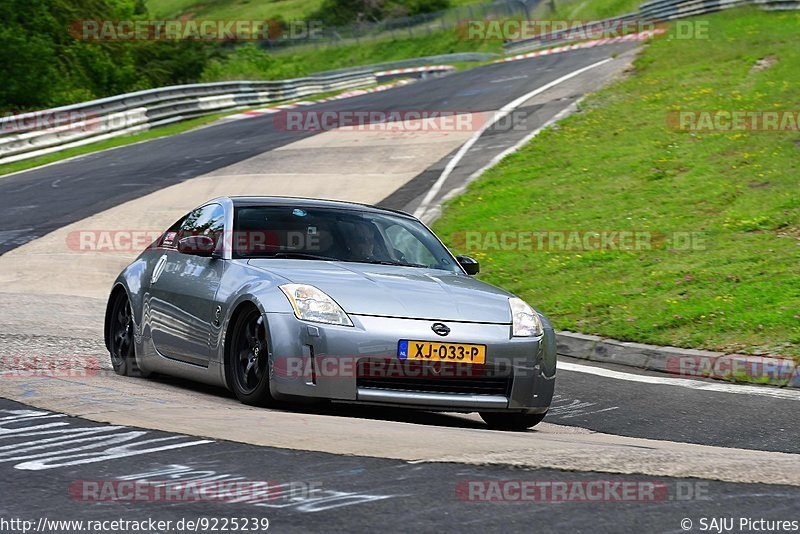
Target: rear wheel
(512, 421)
(121, 342)
(248, 359)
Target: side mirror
(470, 265)
(197, 245)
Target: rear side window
(169, 239)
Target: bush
(44, 65)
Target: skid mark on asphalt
(185, 481)
(566, 408)
(43, 440)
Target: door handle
(159, 268)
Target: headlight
(311, 304)
(525, 321)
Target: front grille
(433, 377)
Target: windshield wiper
(301, 256)
(308, 256)
(396, 263)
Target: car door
(183, 288)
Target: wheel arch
(246, 303)
(117, 291)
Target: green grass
(249, 63)
(233, 9)
(585, 9)
(617, 166)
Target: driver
(364, 243)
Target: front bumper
(326, 361)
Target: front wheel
(512, 421)
(248, 359)
(121, 343)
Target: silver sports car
(282, 299)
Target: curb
(641, 36)
(737, 368)
(415, 70)
(302, 103)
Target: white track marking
(501, 113)
(764, 391)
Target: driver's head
(363, 239)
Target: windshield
(338, 235)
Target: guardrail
(778, 5)
(25, 136)
(661, 10)
(419, 62)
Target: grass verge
(584, 10)
(617, 166)
(251, 63)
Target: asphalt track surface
(356, 492)
(330, 493)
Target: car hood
(396, 291)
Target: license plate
(441, 352)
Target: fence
(399, 27)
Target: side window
(208, 220)
(412, 249)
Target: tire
(122, 347)
(512, 421)
(248, 359)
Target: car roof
(302, 202)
